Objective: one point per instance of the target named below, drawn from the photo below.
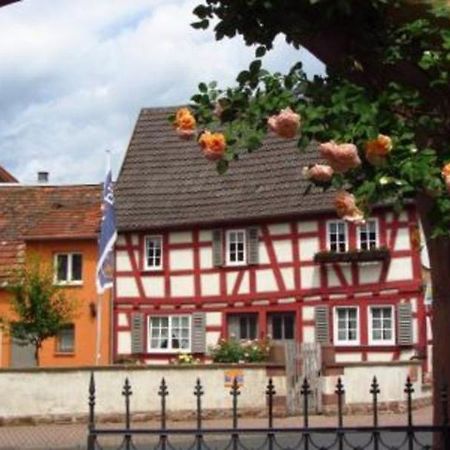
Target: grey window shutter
(198, 332)
(404, 324)
(252, 245)
(322, 328)
(137, 332)
(217, 248)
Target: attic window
(68, 268)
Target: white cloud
(75, 73)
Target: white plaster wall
(180, 237)
(308, 226)
(370, 273)
(205, 236)
(153, 286)
(287, 274)
(124, 342)
(245, 284)
(206, 261)
(308, 248)
(231, 281)
(213, 319)
(122, 261)
(265, 281)
(122, 320)
(182, 286)
(308, 312)
(333, 279)
(348, 357)
(126, 287)
(135, 239)
(283, 250)
(181, 259)
(279, 228)
(212, 338)
(263, 256)
(391, 378)
(400, 269)
(402, 241)
(54, 392)
(309, 334)
(310, 277)
(210, 284)
(379, 356)
(121, 240)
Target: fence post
(375, 390)
(408, 391)
(198, 392)
(340, 395)
(163, 393)
(91, 421)
(305, 391)
(270, 392)
(127, 393)
(235, 394)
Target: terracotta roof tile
(45, 212)
(6, 177)
(166, 182)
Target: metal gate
(303, 361)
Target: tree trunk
(37, 348)
(439, 252)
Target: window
(346, 330)
(68, 268)
(243, 326)
(236, 247)
(65, 339)
(368, 235)
(381, 325)
(282, 326)
(169, 333)
(337, 236)
(153, 252)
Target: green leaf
(260, 51)
(222, 167)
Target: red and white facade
(167, 276)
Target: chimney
(42, 177)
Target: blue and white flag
(108, 235)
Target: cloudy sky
(75, 73)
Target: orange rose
(341, 157)
(378, 149)
(185, 123)
(213, 145)
(346, 208)
(446, 175)
(319, 173)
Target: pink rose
(285, 124)
(320, 173)
(341, 157)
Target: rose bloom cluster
(446, 175)
(340, 157)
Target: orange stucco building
(60, 225)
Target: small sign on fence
(231, 374)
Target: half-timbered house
(250, 254)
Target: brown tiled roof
(166, 182)
(6, 177)
(45, 212)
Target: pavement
(73, 436)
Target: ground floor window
(346, 326)
(281, 326)
(243, 326)
(381, 325)
(65, 339)
(169, 333)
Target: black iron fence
(303, 437)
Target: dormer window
(153, 253)
(236, 247)
(337, 236)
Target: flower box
(376, 254)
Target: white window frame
(329, 222)
(68, 281)
(169, 349)
(380, 342)
(377, 233)
(227, 248)
(346, 342)
(146, 239)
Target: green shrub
(234, 351)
